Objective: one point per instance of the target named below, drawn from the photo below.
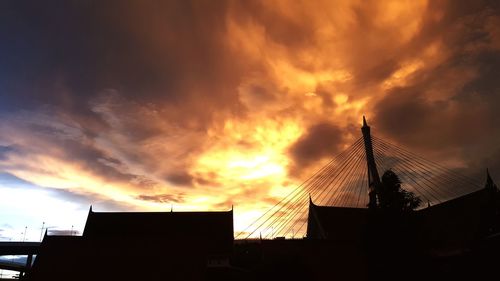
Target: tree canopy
(394, 198)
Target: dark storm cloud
(66, 53)
(92, 63)
(69, 143)
(452, 106)
(182, 179)
(4, 150)
(407, 116)
(94, 160)
(320, 140)
(162, 198)
(63, 232)
(378, 51)
(293, 32)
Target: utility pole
(373, 177)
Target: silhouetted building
(139, 246)
(336, 223)
(451, 225)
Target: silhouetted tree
(392, 243)
(392, 197)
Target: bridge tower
(373, 176)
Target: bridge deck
(19, 248)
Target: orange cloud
(204, 105)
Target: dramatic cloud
(320, 140)
(162, 198)
(208, 104)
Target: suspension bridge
(338, 209)
(350, 180)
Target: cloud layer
(203, 104)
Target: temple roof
(167, 225)
(337, 223)
(450, 225)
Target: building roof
(211, 229)
(452, 224)
(457, 222)
(337, 223)
(137, 246)
(59, 256)
(165, 224)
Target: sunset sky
(204, 105)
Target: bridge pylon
(373, 176)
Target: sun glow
(250, 151)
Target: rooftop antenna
(41, 232)
(46, 232)
(25, 230)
